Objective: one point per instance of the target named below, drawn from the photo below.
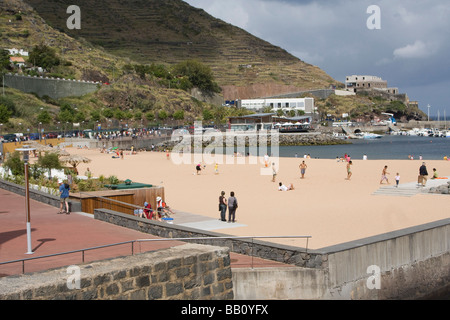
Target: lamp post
(27, 196)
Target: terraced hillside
(171, 31)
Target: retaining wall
(186, 272)
(54, 88)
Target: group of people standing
(421, 180)
(231, 204)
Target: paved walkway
(201, 222)
(409, 189)
(55, 233)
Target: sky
(406, 42)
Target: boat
(367, 135)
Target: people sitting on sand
(435, 174)
(198, 168)
(282, 187)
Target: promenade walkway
(55, 233)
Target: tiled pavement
(55, 233)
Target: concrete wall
(278, 283)
(410, 263)
(54, 88)
(186, 272)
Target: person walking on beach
(349, 170)
(223, 206)
(232, 206)
(274, 172)
(302, 167)
(397, 179)
(63, 195)
(423, 175)
(384, 174)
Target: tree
(162, 115)
(44, 117)
(108, 113)
(44, 56)
(207, 115)
(9, 104)
(15, 164)
(119, 114)
(199, 75)
(178, 115)
(5, 114)
(49, 161)
(4, 60)
(95, 115)
(65, 116)
(150, 116)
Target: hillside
(131, 98)
(171, 31)
(245, 67)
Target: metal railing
(132, 242)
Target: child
(397, 179)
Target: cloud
(417, 50)
(333, 35)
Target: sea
(388, 147)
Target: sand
(324, 205)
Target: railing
(132, 242)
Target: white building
(285, 104)
(355, 82)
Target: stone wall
(252, 139)
(185, 272)
(277, 252)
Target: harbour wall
(53, 87)
(411, 263)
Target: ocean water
(386, 148)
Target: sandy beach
(323, 205)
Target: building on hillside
(357, 82)
(285, 104)
(17, 61)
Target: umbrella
(39, 147)
(74, 160)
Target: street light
(26, 154)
